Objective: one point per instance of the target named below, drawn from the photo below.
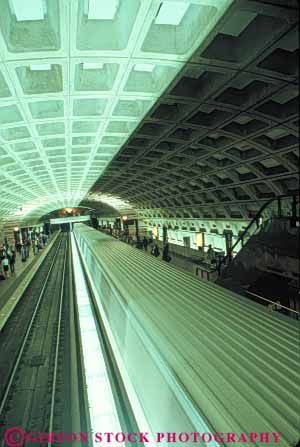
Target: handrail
(273, 302)
(256, 217)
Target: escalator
(264, 261)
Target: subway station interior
(149, 223)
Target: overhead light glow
(40, 67)
(92, 65)
(115, 202)
(102, 9)
(28, 10)
(171, 13)
(144, 67)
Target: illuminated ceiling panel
(33, 10)
(76, 79)
(119, 204)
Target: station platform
(180, 262)
(22, 271)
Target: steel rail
(27, 334)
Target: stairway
(268, 262)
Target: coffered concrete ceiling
(224, 136)
(76, 78)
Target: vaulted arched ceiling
(224, 137)
(76, 79)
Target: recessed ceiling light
(102, 9)
(28, 10)
(276, 133)
(193, 72)
(40, 67)
(144, 67)
(286, 95)
(269, 163)
(171, 13)
(243, 119)
(92, 65)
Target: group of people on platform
(8, 253)
(145, 243)
(7, 260)
(208, 257)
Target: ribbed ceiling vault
(224, 136)
(76, 79)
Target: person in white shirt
(5, 266)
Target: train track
(32, 390)
(15, 328)
(42, 383)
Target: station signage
(60, 220)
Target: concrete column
(136, 229)
(165, 234)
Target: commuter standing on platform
(145, 243)
(34, 246)
(12, 260)
(27, 247)
(23, 254)
(155, 251)
(5, 265)
(165, 256)
(210, 254)
(13, 248)
(8, 254)
(2, 277)
(19, 246)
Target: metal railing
(275, 305)
(284, 206)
